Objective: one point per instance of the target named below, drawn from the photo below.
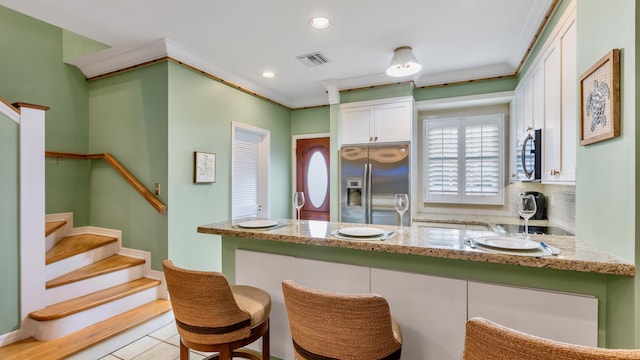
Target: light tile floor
(162, 344)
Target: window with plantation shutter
(249, 177)
(464, 160)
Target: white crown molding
(115, 59)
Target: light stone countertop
(442, 243)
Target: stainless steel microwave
(529, 156)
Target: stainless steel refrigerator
(370, 176)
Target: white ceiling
(454, 40)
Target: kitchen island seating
(486, 340)
(212, 316)
(328, 325)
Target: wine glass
(401, 203)
(526, 208)
(298, 202)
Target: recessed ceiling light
(268, 74)
(320, 22)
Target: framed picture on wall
(204, 168)
(600, 100)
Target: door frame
(294, 163)
(264, 163)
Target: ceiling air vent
(313, 59)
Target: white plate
(256, 224)
(361, 231)
(504, 242)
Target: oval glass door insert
(317, 179)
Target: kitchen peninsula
(434, 280)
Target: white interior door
(249, 175)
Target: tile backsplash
(561, 207)
(560, 201)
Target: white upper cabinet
(546, 99)
(560, 122)
(376, 121)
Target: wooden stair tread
(78, 341)
(76, 305)
(105, 266)
(76, 244)
(51, 226)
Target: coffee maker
(541, 206)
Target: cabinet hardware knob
(555, 172)
(375, 139)
(370, 138)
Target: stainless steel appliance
(529, 156)
(370, 176)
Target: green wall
(310, 121)
(34, 72)
(201, 111)
(472, 88)
(605, 204)
(379, 92)
(9, 209)
(606, 199)
(128, 118)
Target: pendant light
(403, 63)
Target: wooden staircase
(99, 296)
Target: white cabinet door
(560, 109)
(431, 311)
(267, 271)
(330, 276)
(354, 125)
(558, 316)
(392, 122)
(570, 105)
(513, 135)
(552, 128)
(537, 92)
(376, 122)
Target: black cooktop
(533, 229)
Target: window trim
(460, 197)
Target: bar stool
(487, 340)
(212, 316)
(327, 325)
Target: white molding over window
(464, 160)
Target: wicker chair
(487, 340)
(212, 316)
(328, 325)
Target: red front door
(312, 177)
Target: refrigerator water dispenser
(354, 191)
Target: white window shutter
(246, 174)
(464, 160)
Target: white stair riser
(67, 265)
(49, 330)
(87, 286)
(50, 240)
(59, 234)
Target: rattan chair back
(486, 340)
(327, 325)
